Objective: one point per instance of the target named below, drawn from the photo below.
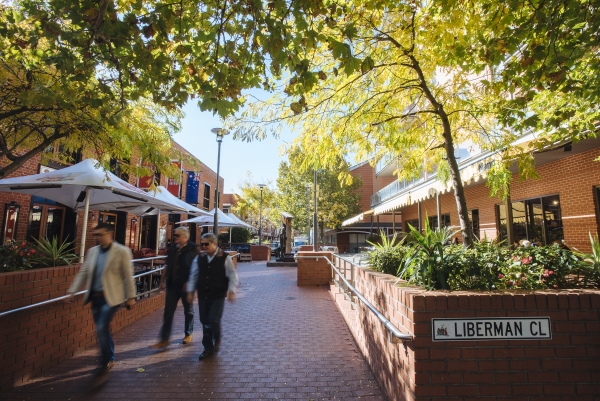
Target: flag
(193, 183)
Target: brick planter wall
(260, 252)
(314, 271)
(567, 367)
(34, 340)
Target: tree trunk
(457, 186)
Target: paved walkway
(280, 341)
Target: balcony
(393, 189)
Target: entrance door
(108, 217)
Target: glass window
(474, 218)
(206, 202)
(46, 221)
(433, 221)
(414, 223)
(537, 219)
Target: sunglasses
(204, 243)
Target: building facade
(26, 217)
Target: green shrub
(589, 269)
(238, 235)
(51, 253)
(389, 255)
(475, 268)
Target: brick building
(562, 204)
(25, 217)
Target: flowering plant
(537, 268)
(15, 255)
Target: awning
(352, 220)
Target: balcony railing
(392, 189)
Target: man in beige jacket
(108, 272)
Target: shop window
(206, 201)
(536, 219)
(226, 208)
(357, 241)
(46, 221)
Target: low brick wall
(260, 252)
(34, 340)
(313, 271)
(567, 367)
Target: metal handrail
(395, 334)
(49, 301)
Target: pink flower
(23, 245)
(515, 258)
(510, 283)
(21, 253)
(526, 261)
(500, 275)
(523, 278)
(32, 251)
(550, 272)
(555, 286)
(546, 274)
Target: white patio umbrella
(241, 222)
(84, 185)
(208, 220)
(163, 194)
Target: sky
(260, 158)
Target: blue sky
(261, 158)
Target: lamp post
(220, 132)
(261, 186)
(315, 224)
(308, 214)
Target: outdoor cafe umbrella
(84, 185)
(163, 194)
(208, 220)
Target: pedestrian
(213, 275)
(108, 272)
(179, 260)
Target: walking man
(108, 271)
(214, 277)
(179, 260)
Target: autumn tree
(336, 201)
(248, 203)
(374, 83)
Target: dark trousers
(171, 299)
(103, 314)
(211, 311)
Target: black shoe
(206, 354)
(217, 346)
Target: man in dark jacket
(179, 260)
(213, 275)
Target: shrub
(51, 253)
(238, 235)
(17, 256)
(389, 255)
(475, 268)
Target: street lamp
(220, 132)
(261, 186)
(315, 224)
(308, 214)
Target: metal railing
(396, 336)
(150, 289)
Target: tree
(248, 205)
(382, 80)
(335, 201)
(238, 235)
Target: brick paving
(280, 341)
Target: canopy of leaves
(248, 204)
(336, 201)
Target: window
(414, 223)
(46, 221)
(116, 169)
(537, 219)
(357, 241)
(226, 208)
(433, 221)
(206, 202)
(474, 219)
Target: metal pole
(157, 229)
(260, 219)
(438, 207)
(308, 188)
(315, 223)
(86, 210)
(216, 220)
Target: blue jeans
(103, 314)
(171, 299)
(211, 311)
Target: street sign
(492, 328)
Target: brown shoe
(161, 344)
(187, 339)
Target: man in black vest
(214, 277)
(179, 260)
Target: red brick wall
(260, 252)
(370, 185)
(34, 340)
(314, 271)
(564, 368)
(572, 178)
